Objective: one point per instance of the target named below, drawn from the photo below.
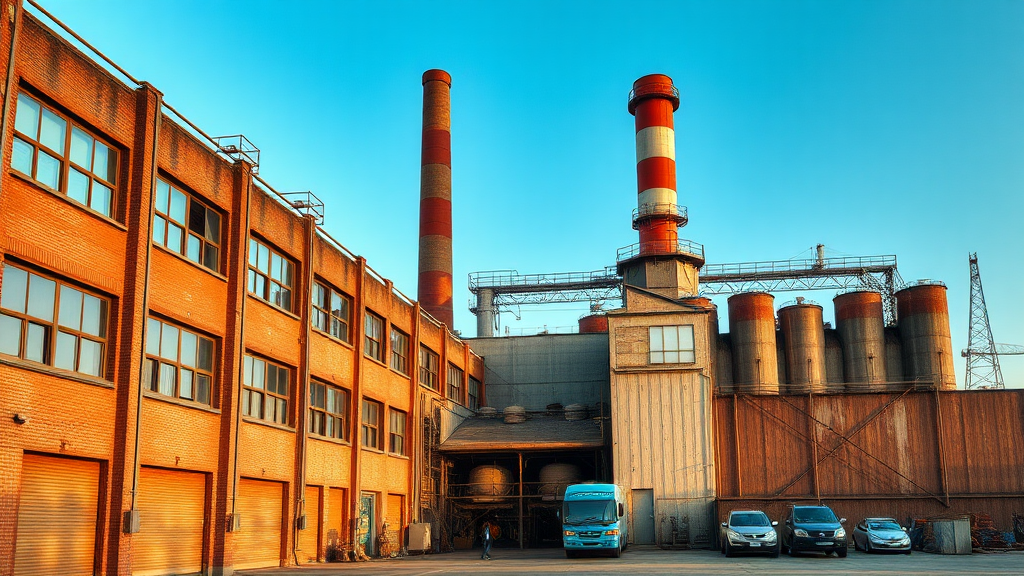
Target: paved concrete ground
(656, 561)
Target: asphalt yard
(650, 560)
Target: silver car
(874, 534)
(749, 531)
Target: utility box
(952, 536)
(419, 537)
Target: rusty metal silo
(752, 331)
(593, 323)
(803, 333)
(861, 327)
(833, 362)
(723, 369)
(923, 319)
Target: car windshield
(750, 519)
(884, 525)
(814, 515)
(589, 511)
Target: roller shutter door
(261, 506)
(395, 518)
(310, 537)
(56, 516)
(171, 512)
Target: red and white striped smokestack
(435, 270)
(652, 102)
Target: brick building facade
(193, 376)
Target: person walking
(487, 540)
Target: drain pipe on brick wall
(247, 176)
(15, 16)
(303, 412)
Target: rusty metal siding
(871, 446)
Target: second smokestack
(435, 262)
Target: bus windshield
(589, 512)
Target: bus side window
(622, 511)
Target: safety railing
(512, 278)
(808, 264)
(667, 211)
(660, 248)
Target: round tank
(923, 319)
(555, 477)
(755, 367)
(514, 415)
(576, 412)
(833, 362)
(723, 370)
(489, 483)
(594, 323)
(803, 332)
(861, 327)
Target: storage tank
(555, 477)
(893, 354)
(489, 483)
(752, 331)
(593, 323)
(861, 327)
(833, 362)
(723, 371)
(923, 319)
(803, 332)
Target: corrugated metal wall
(534, 371)
(879, 453)
(662, 441)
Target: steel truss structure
(505, 290)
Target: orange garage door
(56, 516)
(171, 513)
(261, 506)
(309, 538)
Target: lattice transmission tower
(981, 353)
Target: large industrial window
(265, 391)
(373, 341)
(430, 364)
(47, 321)
(270, 275)
(396, 434)
(331, 311)
(672, 344)
(454, 383)
(179, 363)
(185, 225)
(328, 411)
(373, 412)
(63, 157)
(473, 394)
(399, 351)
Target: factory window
(372, 429)
(454, 383)
(47, 321)
(430, 364)
(179, 363)
(396, 434)
(672, 345)
(328, 411)
(399, 351)
(473, 395)
(62, 156)
(265, 391)
(270, 275)
(374, 340)
(331, 311)
(185, 225)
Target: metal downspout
(357, 405)
(300, 420)
(241, 342)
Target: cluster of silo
(798, 353)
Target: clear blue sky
(874, 127)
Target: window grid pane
(671, 345)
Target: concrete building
(183, 350)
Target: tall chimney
(435, 278)
(652, 102)
(660, 262)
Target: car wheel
(775, 552)
(617, 552)
(570, 553)
(842, 552)
(790, 550)
(867, 546)
(907, 552)
(728, 550)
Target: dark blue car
(813, 529)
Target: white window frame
(671, 344)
